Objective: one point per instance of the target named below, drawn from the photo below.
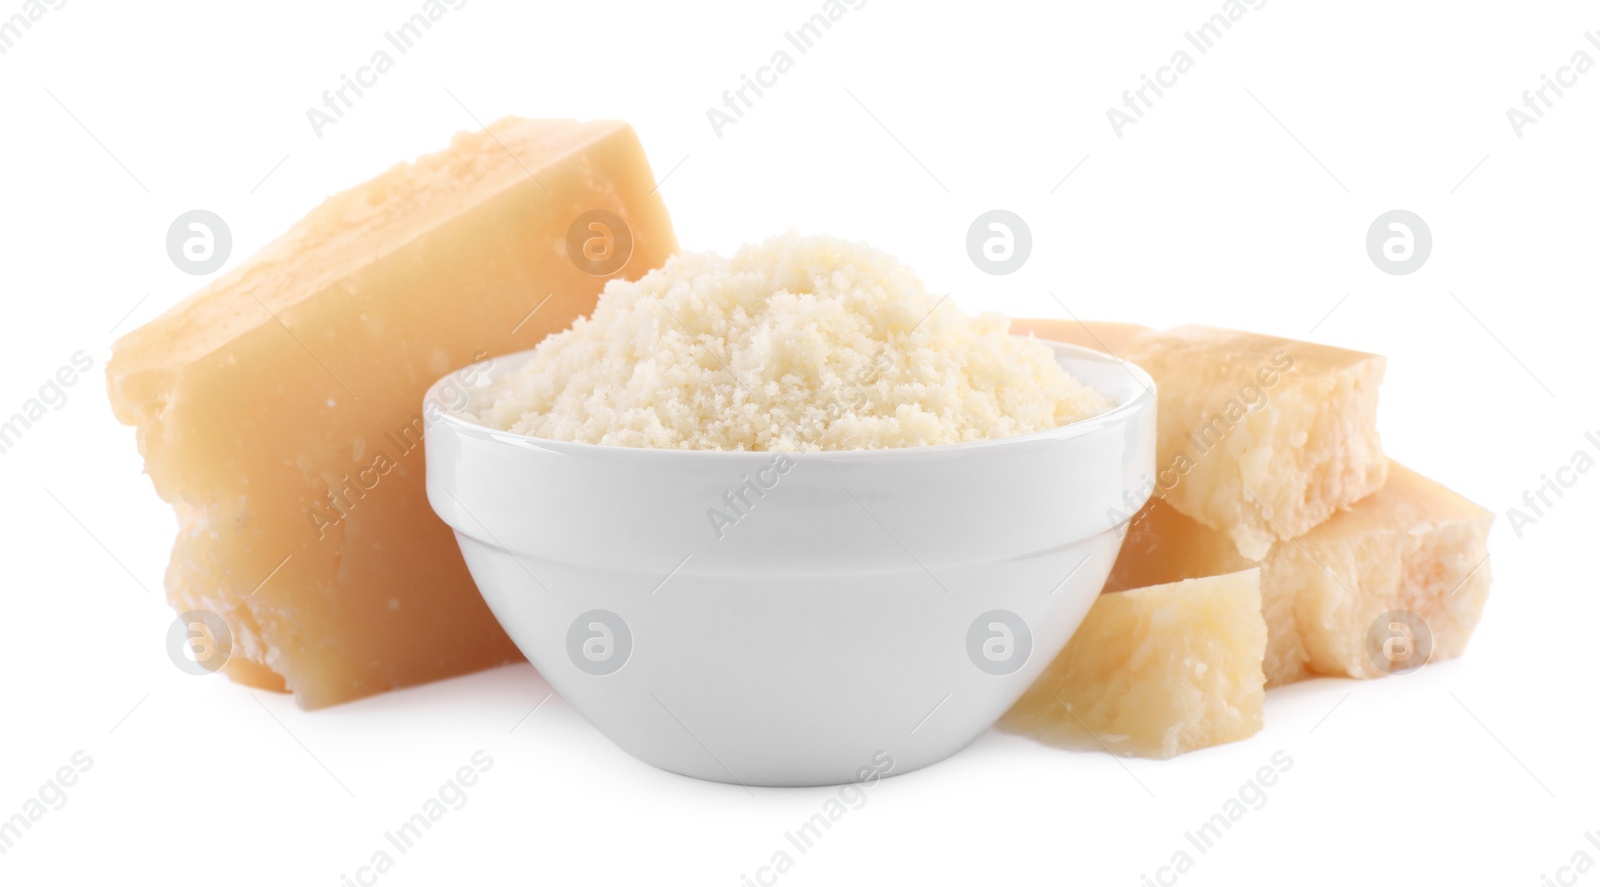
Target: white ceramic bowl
(873, 611)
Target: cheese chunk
(280, 408)
(1155, 672)
(1413, 546)
(1260, 437)
(1101, 335)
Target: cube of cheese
(280, 408)
(1260, 437)
(1155, 671)
(1413, 547)
(1102, 335)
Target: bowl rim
(1143, 398)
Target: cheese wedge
(1259, 437)
(1101, 335)
(1329, 596)
(280, 408)
(1155, 672)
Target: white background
(1241, 199)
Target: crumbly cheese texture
(1413, 545)
(794, 344)
(1155, 671)
(1260, 437)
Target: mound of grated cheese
(795, 344)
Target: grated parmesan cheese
(798, 343)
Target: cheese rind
(1261, 437)
(1413, 546)
(1155, 672)
(279, 409)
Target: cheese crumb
(798, 343)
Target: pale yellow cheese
(1155, 672)
(1412, 547)
(280, 408)
(1109, 336)
(799, 343)
(1260, 437)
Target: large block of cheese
(279, 409)
(1413, 546)
(1109, 336)
(1260, 437)
(1155, 672)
